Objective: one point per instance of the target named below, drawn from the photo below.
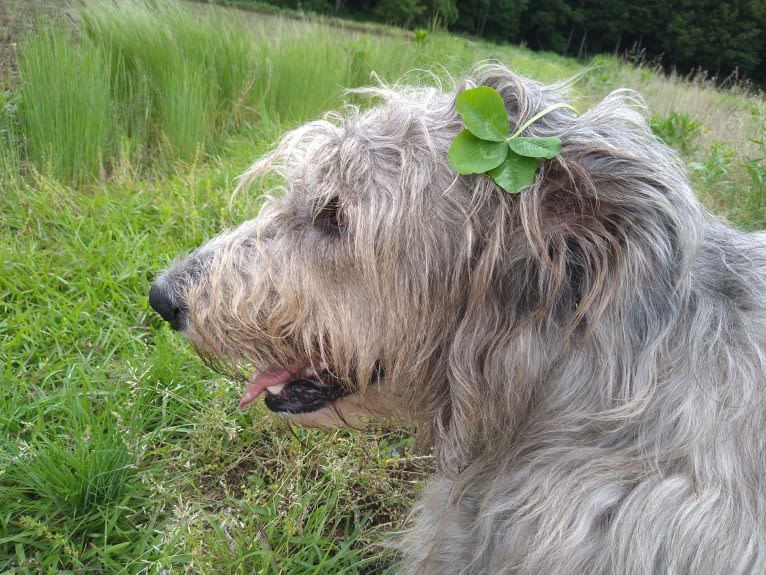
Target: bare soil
(17, 17)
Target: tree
(493, 19)
(444, 12)
(401, 12)
(549, 25)
(717, 36)
(473, 15)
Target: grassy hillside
(123, 130)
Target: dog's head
(377, 281)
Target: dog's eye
(331, 218)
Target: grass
(136, 82)
(66, 116)
(119, 451)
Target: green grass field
(123, 128)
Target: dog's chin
(349, 411)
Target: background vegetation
(123, 127)
(725, 39)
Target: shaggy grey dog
(587, 358)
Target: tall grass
(720, 133)
(66, 105)
(10, 156)
(139, 79)
(178, 75)
(148, 83)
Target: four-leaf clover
(486, 145)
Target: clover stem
(539, 115)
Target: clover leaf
(485, 146)
(531, 147)
(469, 154)
(515, 173)
(484, 113)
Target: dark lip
(307, 394)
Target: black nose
(163, 303)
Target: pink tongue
(259, 381)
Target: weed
(732, 186)
(679, 131)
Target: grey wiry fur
(587, 358)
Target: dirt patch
(17, 18)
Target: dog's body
(588, 357)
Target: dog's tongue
(259, 381)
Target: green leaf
(471, 155)
(484, 113)
(535, 147)
(515, 173)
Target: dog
(586, 358)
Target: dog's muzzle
(299, 389)
(302, 387)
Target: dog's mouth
(294, 389)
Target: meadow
(123, 127)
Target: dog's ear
(598, 242)
(607, 232)
(577, 236)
